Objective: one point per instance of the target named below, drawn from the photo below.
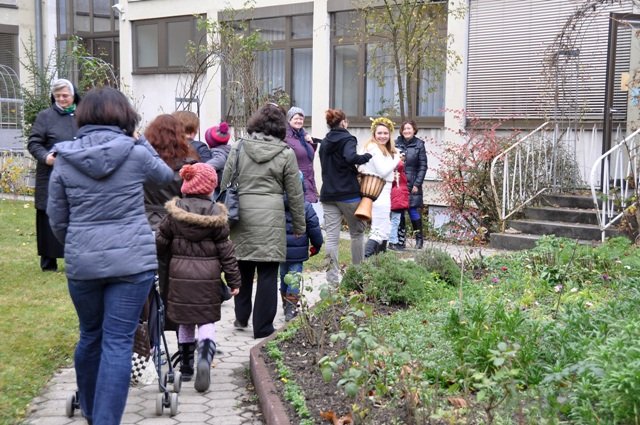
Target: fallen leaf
(457, 402)
(331, 417)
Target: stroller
(153, 316)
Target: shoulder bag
(229, 196)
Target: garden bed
(549, 334)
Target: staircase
(569, 216)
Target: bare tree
(228, 45)
(408, 38)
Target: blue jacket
(298, 247)
(96, 203)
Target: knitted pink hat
(217, 135)
(198, 179)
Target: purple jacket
(304, 154)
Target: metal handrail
(511, 183)
(622, 168)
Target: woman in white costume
(383, 162)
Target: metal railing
(617, 171)
(525, 173)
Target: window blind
(507, 45)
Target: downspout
(38, 9)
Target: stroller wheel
(72, 405)
(173, 404)
(177, 381)
(159, 404)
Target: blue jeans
(108, 311)
(395, 224)
(289, 266)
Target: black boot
(417, 229)
(206, 351)
(186, 351)
(402, 234)
(382, 247)
(370, 248)
(291, 307)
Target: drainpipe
(38, 9)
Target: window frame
(163, 66)
(361, 119)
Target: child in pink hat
(194, 235)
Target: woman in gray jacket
(267, 167)
(96, 209)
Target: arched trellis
(10, 99)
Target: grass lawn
(39, 325)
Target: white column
(456, 79)
(320, 92)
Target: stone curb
(273, 410)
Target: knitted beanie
(198, 179)
(217, 135)
(293, 112)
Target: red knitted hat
(217, 135)
(198, 179)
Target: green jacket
(267, 168)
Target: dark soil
(322, 397)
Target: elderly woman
(96, 209)
(54, 124)
(267, 168)
(302, 144)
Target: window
(508, 42)
(9, 47)
(361, 93)
(8, 3)
(287, 65)
(95, 22)
(160, 46)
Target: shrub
(386, 279)
(439, 262)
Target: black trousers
(265, 304)
(48, 246)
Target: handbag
(142, 366)
(229, 196)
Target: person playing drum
(384, 160)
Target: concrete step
(563, 214)
(567, 201)
(513, 241)
(567, 230)
(518, 241)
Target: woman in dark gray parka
(96, 209)
(55, 124)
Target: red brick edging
(273, 410)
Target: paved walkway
(229, 401)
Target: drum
(370, 188)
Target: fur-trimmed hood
(197, 216)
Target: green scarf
(70, 109)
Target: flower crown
(381, 121)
